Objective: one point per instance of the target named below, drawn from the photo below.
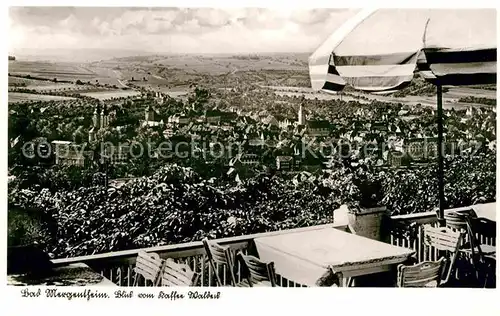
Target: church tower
(96, 120)
(104, 116)
(149, 114)
(301, 115)
(95, 124)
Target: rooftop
(284, 158)
(318, 124)
(61, 142)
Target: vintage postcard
(211, 148)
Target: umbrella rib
(425, 32)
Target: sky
(173, 30)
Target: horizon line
(164, 53)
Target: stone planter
(367, 222)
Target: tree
(78, 135)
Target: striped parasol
(381, 50)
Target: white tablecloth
(487, 210)
(304, 257)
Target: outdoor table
(306, 257)
(487, 210)
(76, 274)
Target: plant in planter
(366, 212)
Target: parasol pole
(441, 219)
(440, 215)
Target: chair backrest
(177, 274)
(483, 226)
(331, 278)
(442, 238)
(457, 219)
(257, 270)
(219, 255)
(148, 265)
(424, 274)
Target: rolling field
(220, 64)
(43, 86)
(64, 72)
(106, 95)
(51, 87)
(172, 71)
(13, 81)
(67, 88)
(168, 71)
(15, 97)
(105, 75)
(34, 83)
(48, 70)
(217, 65)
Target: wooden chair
(444, 239)
(457, 219)
(333, 278)
(221, 257)
(258, 273)
(177, 274)
(483, 256)
(485, 228)
(147, 265)
(424, 274)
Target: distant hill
(98, 54)
(76, 55)
(214, 63)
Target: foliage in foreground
(176, 205)
(172, 206)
